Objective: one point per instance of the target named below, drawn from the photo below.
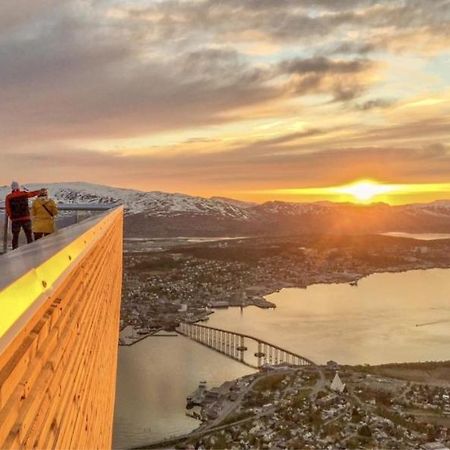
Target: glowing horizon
(361, 191)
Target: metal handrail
(80, 206)
(61, 207)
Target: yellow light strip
(336, 190)
(361, 188)
(17, 298)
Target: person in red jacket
(18, 211)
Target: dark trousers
(39, 235)
(16, 226)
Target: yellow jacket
(43, 221)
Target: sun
(364, 191)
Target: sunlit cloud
(424, 102)
(236, 97)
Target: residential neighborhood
(327, 407)
(170, 282)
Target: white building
(337, 385)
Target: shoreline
(370, 370)
(260, 300)
(385, 370)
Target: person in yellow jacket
(43, 212)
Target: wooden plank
(63, 441)
(77, 381)
(53, 337)
(66, 342)
(7, 367)
(68, 371)
(44, 376)
(84, 427)
(92, 371)
(57, 377)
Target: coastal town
(168, 282)
(285, 406)
(326, 407)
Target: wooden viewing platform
(59, 324)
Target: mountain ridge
(157, 213)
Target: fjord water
(419, 236)
(388, 317)
(154, 377)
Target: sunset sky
(252, 99)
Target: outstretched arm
(33, 193)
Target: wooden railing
(59, 322)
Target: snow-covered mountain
(232, 201)
(438, 208)
(137, 202)
(164, 214)
(293, 209)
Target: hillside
(156, 214)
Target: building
(337, 385)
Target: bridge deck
(233, 345)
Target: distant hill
(160, 214)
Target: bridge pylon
(236, 346)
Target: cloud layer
(207, 96)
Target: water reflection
(419, 236)
(374, 323)
(154, 378)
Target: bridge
(59, 326)
(248, 350)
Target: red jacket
(17, 207)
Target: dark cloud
(343, 79)
(15, 14)
(293, 21)
(81, 73)
(350, 47)
(376, 103)
(99, 69)
(76, 80)
(321, 64)
(72, 82)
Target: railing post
(5, 234)
(259, 353)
